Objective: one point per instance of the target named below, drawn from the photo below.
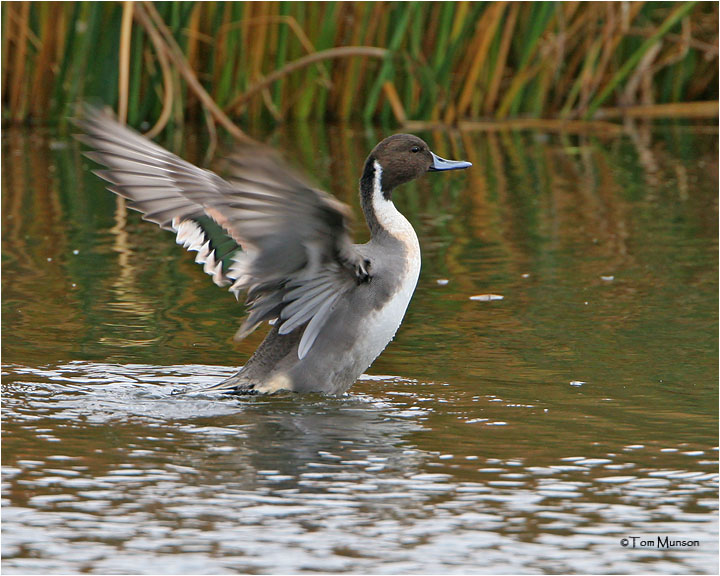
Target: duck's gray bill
(442, 164)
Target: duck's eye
(415, 149)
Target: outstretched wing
(264, 230)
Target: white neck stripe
(377, 180)
(387, 215)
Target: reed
(241, 63)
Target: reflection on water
(528, 434)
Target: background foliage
(388, 61)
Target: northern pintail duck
(334, 306)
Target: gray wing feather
(303, 311)
(297, 256)
(315, 325)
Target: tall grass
(240, 62)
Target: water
(524, 434)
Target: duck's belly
(345, 351)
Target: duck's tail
(236, 384)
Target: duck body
(334, 306)
(351, 341)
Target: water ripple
(208, 484)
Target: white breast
(384, 323)
(381, 325)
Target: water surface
(528, 434)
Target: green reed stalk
(281, 56)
